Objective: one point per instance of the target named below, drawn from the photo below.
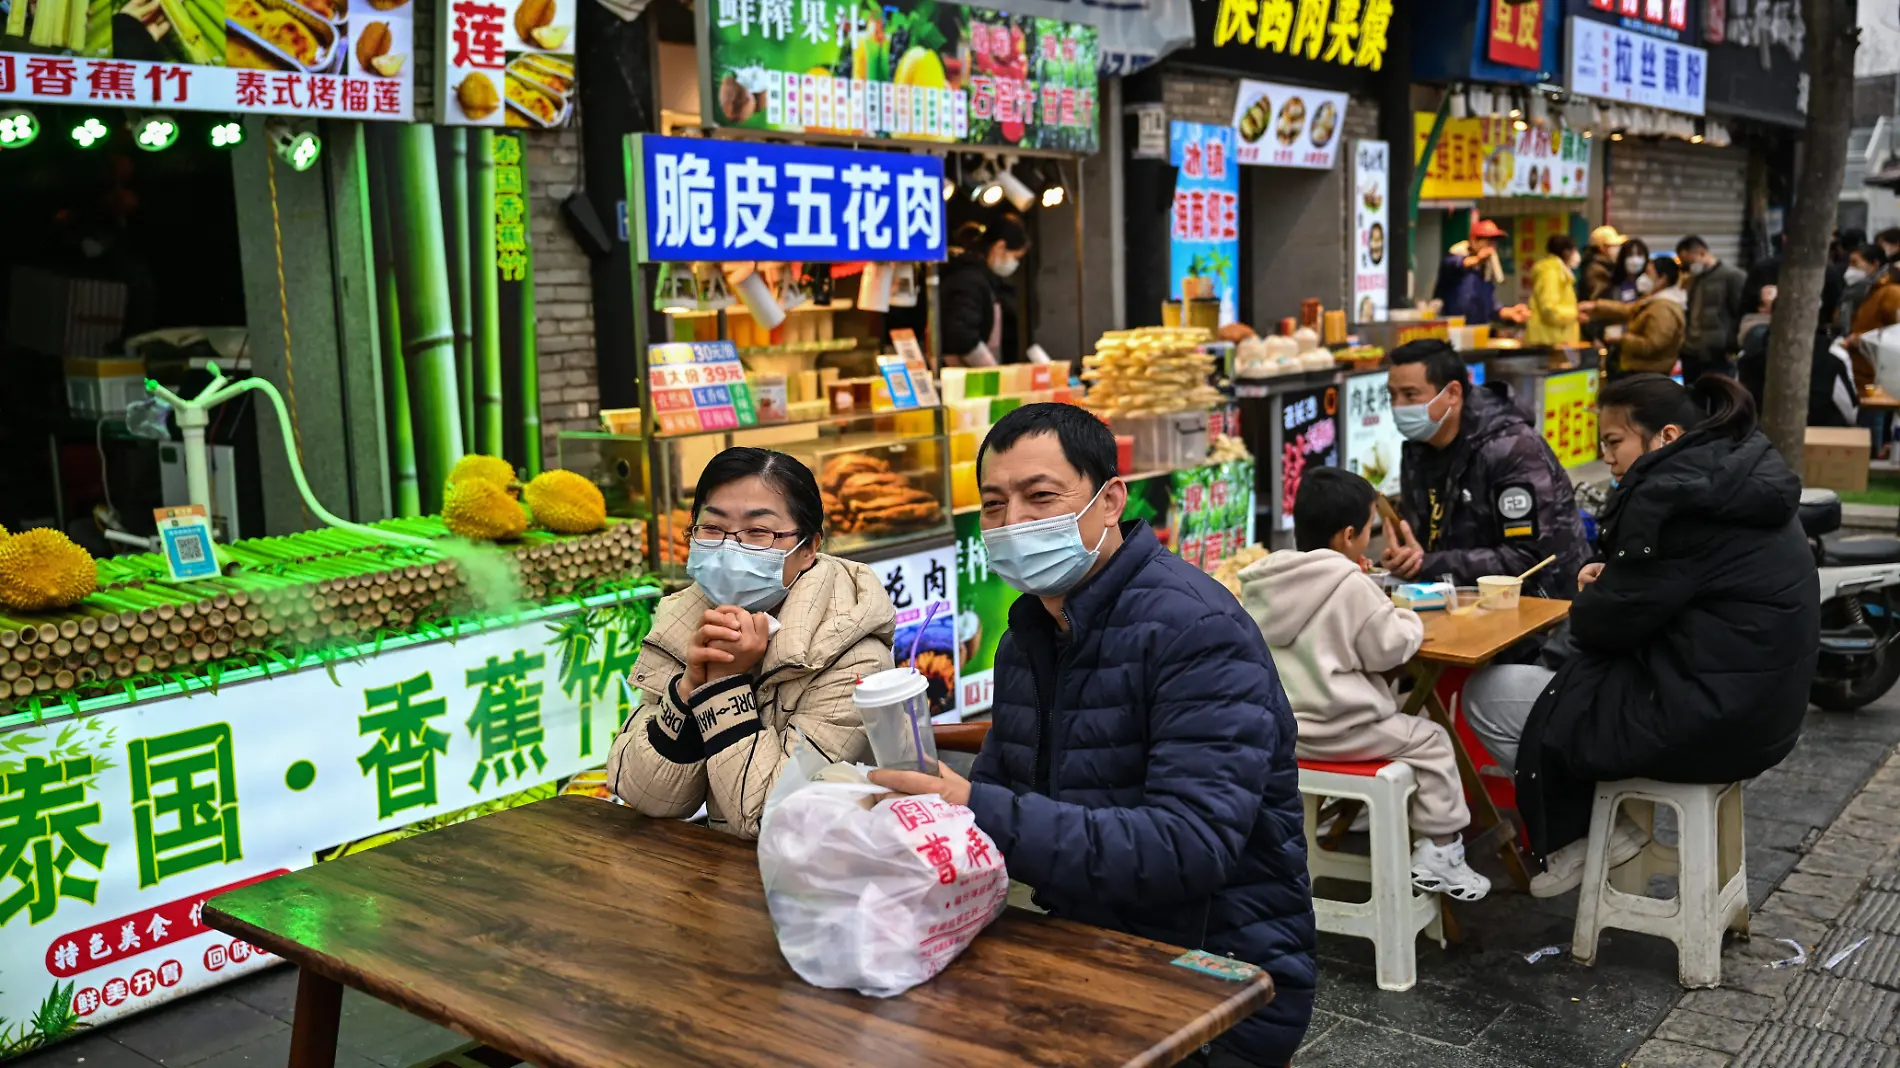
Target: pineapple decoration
(42, 569)
(480, 502)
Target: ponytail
(1715, 403)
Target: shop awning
(1134, 33)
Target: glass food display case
(884, 476)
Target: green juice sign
(913, 70)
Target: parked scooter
(1860, 607)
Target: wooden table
(574, 933)
(1472, 640)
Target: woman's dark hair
(1560, 245)
(1634, 246)
(1329, 500)
(1668, 270)
(1715, 403)
(1869, 254)
(967, 236)
(777, 470)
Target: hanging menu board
(346, 59)
(506, 63)
(914, 70)
(699, 385)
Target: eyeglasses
(707, 536)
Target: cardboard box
(1837, 458)
(98, 388)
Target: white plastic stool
(1708, 862)
(1396, 912)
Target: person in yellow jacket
(1553, 318)
(1653, 339)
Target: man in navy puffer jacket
(1140, 772)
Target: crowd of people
(1140, 773)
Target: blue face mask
(1414, 421)
(1043, 557)
(752, 579)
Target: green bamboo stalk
(487, 297)
(530, 364)
(402, 442)
(428, 331)
(457, 221)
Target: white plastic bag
(1882, 349)
(872, 897)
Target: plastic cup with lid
(895, 705)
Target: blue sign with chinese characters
(1612, 63)
(704, 200)
(1204, 222)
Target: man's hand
(1588, 574)
(946, 784)
(1402, 556)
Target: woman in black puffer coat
(1696, 630)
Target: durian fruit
(42, 569)
(479, 509)
(486, 468)
(565, 503)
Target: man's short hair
(1442, 363)
(1692, 243)
(1873, 254)
(1329, 500)
(1889, 236)
(1086, 441)
(1668, 270)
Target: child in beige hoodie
(1333, 632)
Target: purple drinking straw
(916, 736)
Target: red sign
(158, 927)
(1662, 14)
(1517, 33)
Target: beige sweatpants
(1439, 805)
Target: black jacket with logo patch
(1502, 500)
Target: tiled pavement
(1477, 1005)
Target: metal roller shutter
(1662, 191)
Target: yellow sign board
(1350, 33)
(1570, 416)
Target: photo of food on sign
(508, 63)
(1253, 122)
(914, 70)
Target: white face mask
(1645, 284)
(1006, 266)
(1633, 264)
(731, 574)
(1854, 274)
(1698, 266)
(1044, 557)
(1571, 261)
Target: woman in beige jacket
(766, 644)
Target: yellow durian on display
(483, 510)
(42, 569)
(485, 468)
(565, 503)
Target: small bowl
(1463, 599)
(1499, 592)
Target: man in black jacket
(1482, 494)
(1716, 307)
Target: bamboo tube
(455, 220)
(428, 333)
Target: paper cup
(1499, 592)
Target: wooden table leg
(313, 1031)
(1494, 831)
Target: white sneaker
(1563, 870)
(1442, 869)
